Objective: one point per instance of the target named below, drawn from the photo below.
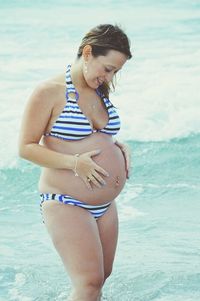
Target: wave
(157, 91)
(11, 161)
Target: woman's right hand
(89, 171)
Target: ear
(87, 52)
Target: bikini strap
(69, 85)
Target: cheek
(90, 77)
(95, 70)
(93, 74)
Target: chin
(95, 86)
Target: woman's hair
(103, 38)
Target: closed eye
(107, 70)
(110, 70)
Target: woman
(68, 129)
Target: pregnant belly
(63, 181)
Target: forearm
(42, 156)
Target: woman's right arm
(34, 123)
(35, 120)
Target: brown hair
(103, 38)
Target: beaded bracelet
(75, 172)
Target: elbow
(23, 151)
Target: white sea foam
(125, 203)
(173, 186)
(158, 99)
(129, 213)
(158, 91)
(15, 292)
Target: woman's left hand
(127, 155)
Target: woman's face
(102, 68)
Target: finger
(101, 170)
(95, 182)
(129, 172)
(94, 152)
(118, 143)
(99, 178)
(128, 165)
(127, 161)
(92, 179)
(127, 156)
(88, 184)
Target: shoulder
(47, 91)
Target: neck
(77, 75)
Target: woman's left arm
(127, 155)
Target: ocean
(158, 98)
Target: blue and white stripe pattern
(96, 210)
(72, 124)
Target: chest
(94, 109)
(89, 108)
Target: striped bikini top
(72, 124)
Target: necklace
(92, 106)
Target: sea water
(158, 98)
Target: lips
(100, 82)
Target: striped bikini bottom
(96, 210)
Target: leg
(108, 231)
(75, 235)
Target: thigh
(75, 235)
(108, 231)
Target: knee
(88, 288)
(90, 285)
(95, 282)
